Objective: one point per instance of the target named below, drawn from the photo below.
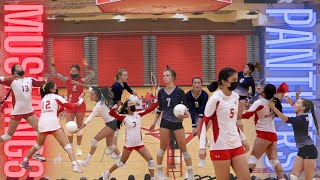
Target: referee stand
(172, 165)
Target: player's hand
(271, 105)
(299, 92)
(76, 131)
(119, 103)
(246, 145)
(202, 153)
(81, 96)
(52, 60)
(46, 77)
(185, 115)
(194, 131)
(85, 62)
(153, 125)
(75, 82)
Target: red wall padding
(67, 51)
(115, 52)
(231, 52)
(183, 53)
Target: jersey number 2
(231, 113)
(46, 105)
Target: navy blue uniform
(166, 106)
(304, 143)
(117, 90)
(196, 106)
(244, 82)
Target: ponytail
(256, 66)
(309, 106)
(213, 86)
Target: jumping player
(132, 121)
(245, 80)
(307, 154)
(197, 99)
(168, 98)
(103, 98)
(228, 141)
(21, 88)
(73, 92)
(49, 123)
(117, 89)
(266, 141)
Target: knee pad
(112, 147)
(116, 133)
(186, 155)
(161, 153)
(252, 160)
(94, 142)
(6, 137)
(151, 164)
(79, 133)
(68, 146)
(37, 146)
(120, 164)
(293, 177)
(274, 162)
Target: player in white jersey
(49, 123)
(103, 98)
(21, 88)
(266, 141)
(132, 121)
(227, 142)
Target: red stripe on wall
(67, 51)
(183, 53)
(231, 52)
(115, 52)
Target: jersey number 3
(231, 113)
(46, 105)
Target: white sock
(89, 156)
(189, 167)
(74, 162)
(26, 159)
(160, 167)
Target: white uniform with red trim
(133, 125)
(22, 95)
(222, 110)
(49, 120)
(264, 116)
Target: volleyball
(179, 109)
(133, 98)
(71, 126)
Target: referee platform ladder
(174, 157)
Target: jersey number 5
(46, 105)
(231, 113)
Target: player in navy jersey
(245, 80)
(168, 98)
(197, 99)
(307, 153)
(117, 89)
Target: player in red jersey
(51, 104)
(21, 88)
(74, 91)
(227, 141)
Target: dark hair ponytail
(255, 66)
(45, 89)
(224, 74)
(123, 109)
(309, 106)
(104, 94)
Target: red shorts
(50, 132)
(133, 148)
(80, 109)
(226, 154)
(269, 136)
(21, 116)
